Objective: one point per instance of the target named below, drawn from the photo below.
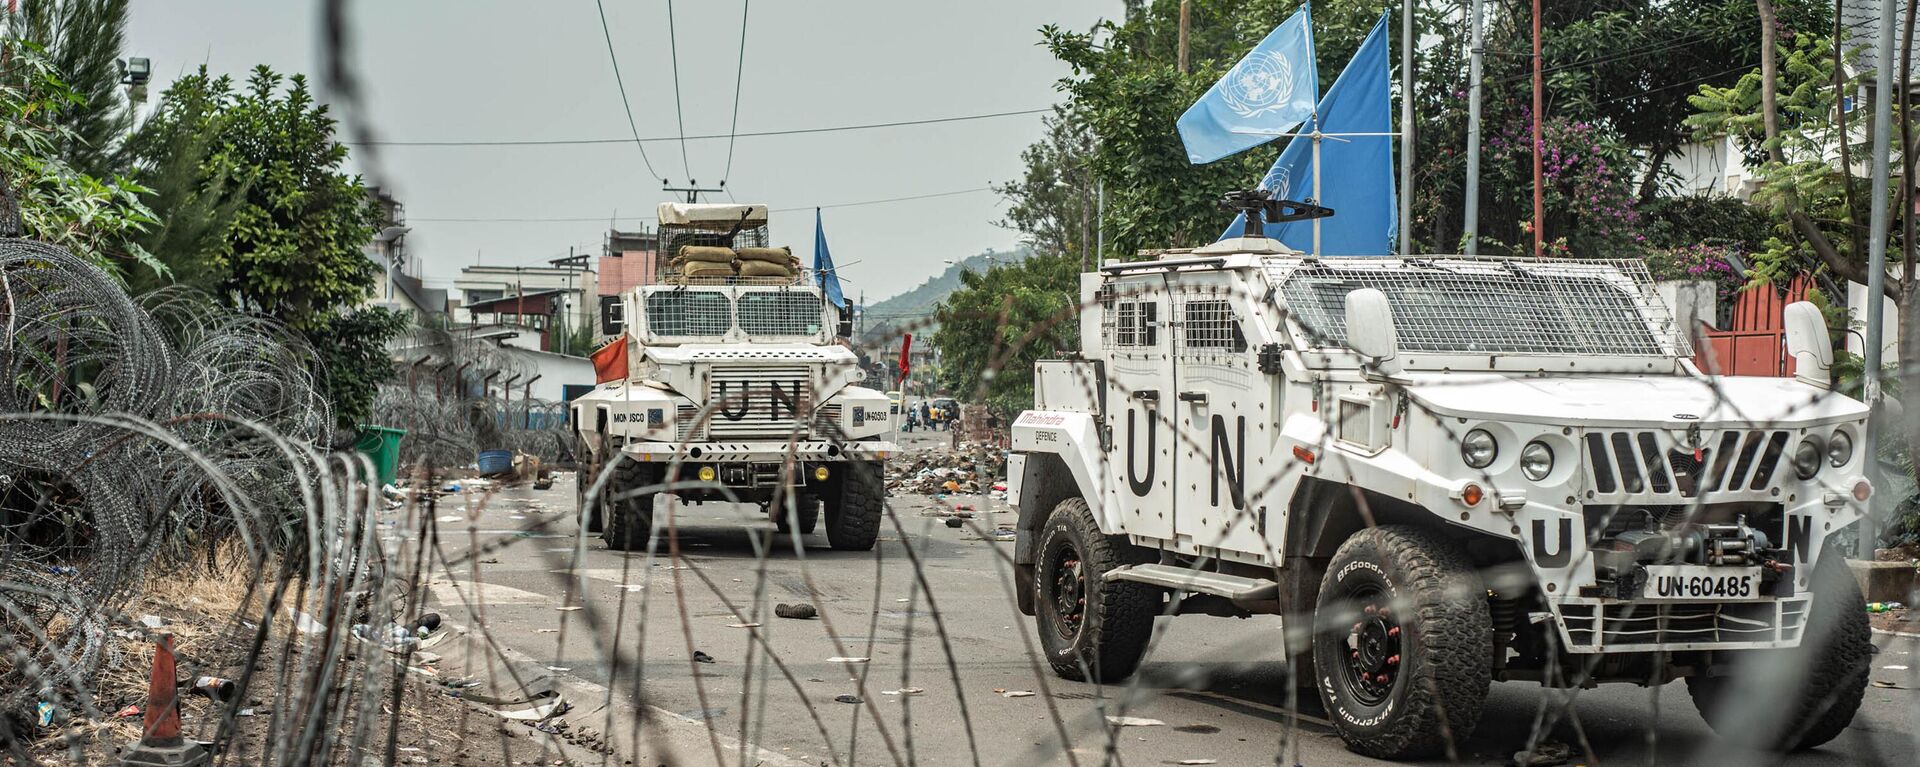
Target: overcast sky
(496, 70)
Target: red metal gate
(1755, 344)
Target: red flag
(906, 349)
(610, 361)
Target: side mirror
(1808, 345)
(1370, 331)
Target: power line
(582, 219)
(739, 69)
(750, 134)
(618, 81)
(1625, 53)
(679, 116)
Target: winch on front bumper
(1694, 577)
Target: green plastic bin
(382, 446)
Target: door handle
(1195, 397)
(1150, 395)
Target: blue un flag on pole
(1357, 161)
(823, 264)
(1268, 93)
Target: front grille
(1648, 462)
(758, 402)
(1592, 627)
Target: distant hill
(914, 308)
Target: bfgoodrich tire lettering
(1091, 629)
(1401, 645)
(1802, 697)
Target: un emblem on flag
(1277, 181)
(1260, 83)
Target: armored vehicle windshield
(1470, 306)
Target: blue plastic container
(495, 461)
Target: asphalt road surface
(1216, 687)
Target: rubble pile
(949, 472)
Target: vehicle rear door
(1140, 406)
(1218, 408)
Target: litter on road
(1134, 721)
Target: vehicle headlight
(1807, 457)
(1478, 449)
(1839, 449)
(1536, 461)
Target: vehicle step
(1195, 581)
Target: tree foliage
(98, 219)
(1619, 76)
(82, 41)
(280, 226)
(1003, 320)
(1053, 203)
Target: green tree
(98, 219)
(1003, 320)
(287, 226)
(1053, 203)
(1619, 74)
(82, 40)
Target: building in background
(628, 259)
(557, 301)
(400, 286)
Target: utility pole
(692, 190)
(1473, 128)
(1100, 223)
(1539, 144)
(1184, 7)
(1406, 130)
(1877, 249)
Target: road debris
(1017, 694)
(799, 611)
(838, 659)
(1545, 754)
(1134, 721)
(701, 657)
(849, 698)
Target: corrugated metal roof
(1861, 20)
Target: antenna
(1261, 209)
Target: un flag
(1268, 93)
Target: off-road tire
(853, 516)
(806, 507)
(1105, 641)
(628, 520)
(1829, 673)
(1434, 692)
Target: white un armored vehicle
(732, 384)
(1456, 471)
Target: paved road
(1217, 684)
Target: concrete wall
(555, 371)
(1691, 301)
(1857, 321)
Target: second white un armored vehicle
(732, 384)
(1455, 471)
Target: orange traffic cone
(160, 742)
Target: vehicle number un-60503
(1699, 582)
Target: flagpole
(1406, 127)
(1316, 185)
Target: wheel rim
(1069, 593)
(1372, 649)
